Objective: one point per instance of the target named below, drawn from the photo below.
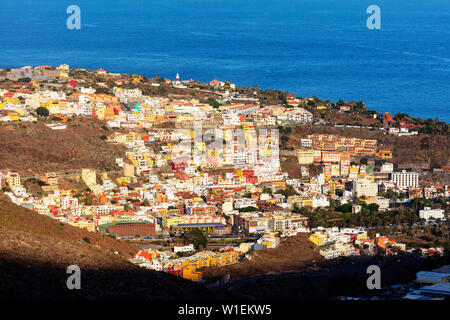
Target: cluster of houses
(215, 169)
(343, 242)
(335, 242)
(186, 267)
(189, 266)
(140, 112)
(340, 159)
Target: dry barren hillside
(33, 148)
(16, 219)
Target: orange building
(384, 154)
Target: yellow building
(64, 67)
(335, 170)
(65, 193)
(354, 170)
(305, 156)
(14, 116)
(172, 221)
(12, 100)
(362, 235)
(13, 179)
(83, 224)
(123, 180)
(162, 212)
(105, 114)
(318, 239)
(192, 275)
(46, 104)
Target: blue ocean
(306, 47)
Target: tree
(248, 209)
(289, 191)
(346, 207)
(196, 237)
(267, 190)
(26, 79)
(213, 102)
(42, 112)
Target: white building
(186, 248)
(364, 187)
(305, 143)
(330, 253)
(405, 179)
(387, 167)
(427, 213)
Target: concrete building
(387, 168)
(427, 213)
(185, 248)
(364, 187)
(405, 179)
(13, 179)
(305, 156)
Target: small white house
(185, 248)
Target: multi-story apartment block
(427, 213)
(364, 187)
(405, 179)
(13, 179)
(305, 156)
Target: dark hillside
(36, 250)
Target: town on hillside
(212, 173)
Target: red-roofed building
(252, 179)
(179, 166)
(387, 118)
(53, 210)
(183, 176)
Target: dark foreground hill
(36, 250)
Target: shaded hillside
(14, 218)
(292, 254)
(343, 277)
(35, 251)
(32, 148)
